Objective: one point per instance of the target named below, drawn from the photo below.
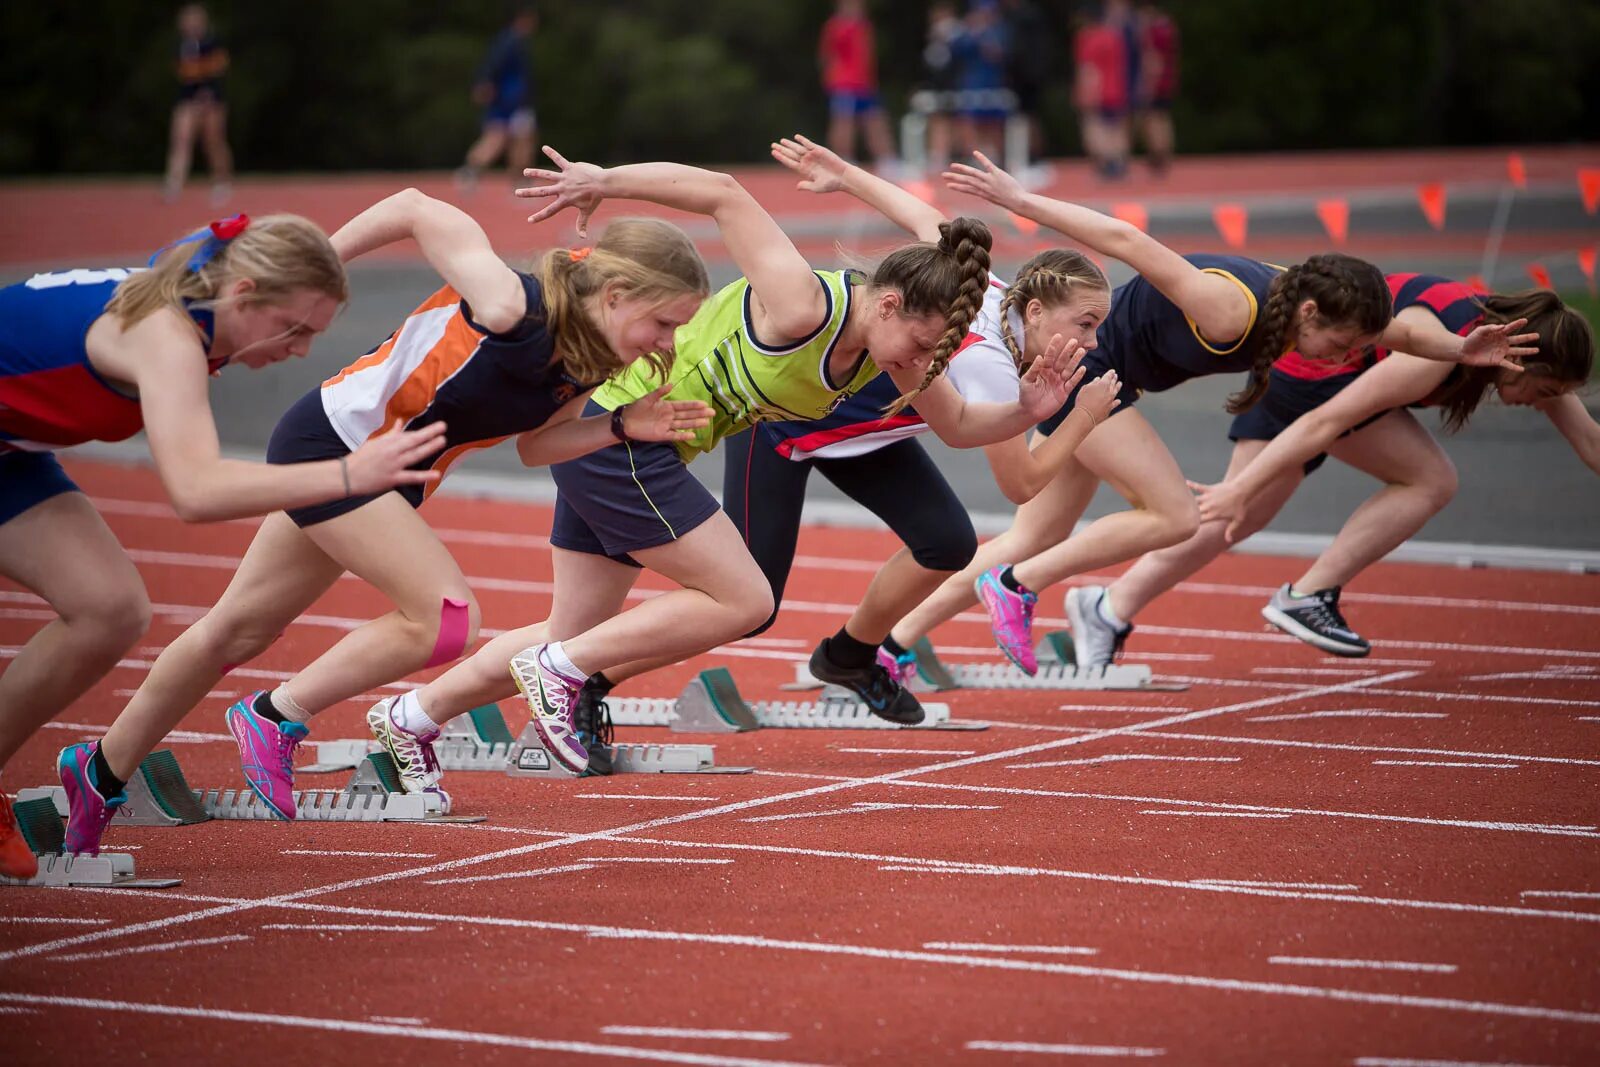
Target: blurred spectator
(503, 87)
(1029, 63)
(1158, 84)
(939, 63)
(847, 53)
(200, 110)
(1101, 94)
(981, 52)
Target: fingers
(805, 141)
(1231, 534)
(418, 477)
(1074, 376)
(1524, 339)
(556, 157)
(1511, 365)
(583, 221)
(547, 212)
(988, 165)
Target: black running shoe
(883, 696)
(1315, 619)
(592, 719)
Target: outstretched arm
(960, 424)
(453, 244)
(1397, 381)
(1576, 425)
(1217, 306)
(1490, 345)
(822, 171)
(790, 301)
(650, 418)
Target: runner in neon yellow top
(784, 342)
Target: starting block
(530, 759)
(41, 828)
(159, 795)
(1057, 671)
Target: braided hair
(1346, 290)
(1051, 277)
(947, 277)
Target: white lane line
(708, 1035)
(431, 1033)
(52, 920)
(1390, 1061)
(354, 852)
(1217, 814)
(650, 859)
(567, 868)
(376, 928)
(1280, 639)
(1366, 965)
(1489, 698)
(1122, 757)
(1329, 886)
(1555, 672)
(1351, 713)
(1589, 718)
(1341, 747)
(166, 946)
(934, 870)
(640, 796)
(180, 735)
(1560, 894)
(1299, 672)
(397, 1020)
(1376, 662)
(1130, 708)
(910, 751)
(10, 1010)
(690, 816)
(1442, 763)
(982, 946)
(1065, 1050)
(864, 806)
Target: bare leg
(93, 587)
(487, 148)
(519, 155)
(1420, 481)
(1156, 572)
(219, 157)
(879, 141)
(180, 146)
(842, 133)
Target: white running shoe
(1095, 642)
(412, 753)
(550, 696)
(1316, 620)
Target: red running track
(1298, 859)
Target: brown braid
(948, 277)
(1346, 290)
(1051, 277)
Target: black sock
(105, 783)
(263, 707)
(1009, 579)
(599, 683)
(893, 647)
(846, 651)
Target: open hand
(820, 169)
(986, 181)
(383, 460)
(1494, 345)
(655, 418)
(577, 185)
(1051, 378)
(1222, 502)
(1099, 397)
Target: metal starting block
(529, 759)
(1057, 671)
(160, 796)
(711, 703)
(40, 825)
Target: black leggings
(763, 493)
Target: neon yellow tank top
(720, 362)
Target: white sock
(555, 657)
(1109, 616)
(288, 706)
(408, 713)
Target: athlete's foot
(1315, 619)
(902, 668)
(550, 696)
(16, 858)
(1095, 642)
(883, 696)
(88, 812)
(1010, 618)
(266, 755)
(412, 753)
(592, 719)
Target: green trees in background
(382, 84)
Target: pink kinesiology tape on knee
(453, 625)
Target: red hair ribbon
(229, 228)
(578, 255)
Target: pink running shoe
(88, 813)
(1010, 617)
(266, 755)
(550, 696)
(903, 669)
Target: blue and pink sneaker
(902, 668)
(550, 696)
(88, 813)
(266, 755)
(1010, 618)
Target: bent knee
(950, 555)
(119, 618)
(1179, 521)
(450, 632)
(757, 610)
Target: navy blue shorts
(1095, 363)
(304, 435)
(626, 497)
(1286, 399)
(29, 478)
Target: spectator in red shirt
(1101, 95)
(848, 56)
(1158, 77)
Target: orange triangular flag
(1517, 170)
(1431, 196)
(1232, 222)
(1025, 226)
(1476, 282)
(1586, 264)
(1335, 216)
(1133, 215)
(1589, 183)
(1540, 276)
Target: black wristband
(617, 429)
